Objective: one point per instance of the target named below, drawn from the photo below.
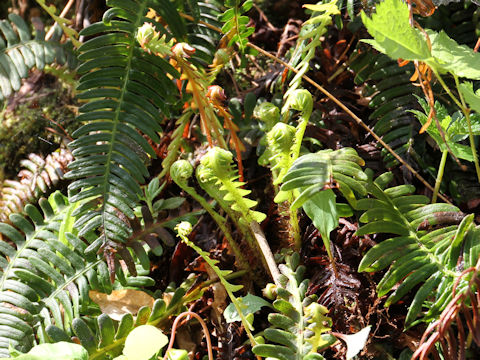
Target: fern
(392, 96)
(309, 40)
(235, 28)
(299, 326)
(19, 53)
(416, 256)
(127, 88)
(44, 280)
(37, 177)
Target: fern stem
(438, 180)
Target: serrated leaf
(393, 34)
(451, 57)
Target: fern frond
(44, 280)
(37, 177)
(235, 23)
(308, 41)
(314, 172)
(392, 95)
(127, 89)
(217, 165)
(298, 328)
(433, 258)
(19, 53)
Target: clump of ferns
(432, 246)
(283, 146)
(218, 177)
(300, 324)
(37, 177)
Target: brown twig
(205, 331)
(62, 14)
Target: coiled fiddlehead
(180, 172)
(219, 163)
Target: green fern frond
(127, 89)
(235, 24)
(19, 53)
(217, 165)
(432, 258)
(314, 172)
(308, 40)
(298, 328)
(37, 177)
(43, 279)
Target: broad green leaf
(143, 342)
(453, 58)
(322, 209)
(58, 351)
(250, 304)
(392, 33)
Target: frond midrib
(116, 120)
(28, 240)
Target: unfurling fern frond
(309, 39)
(37, 177)
(217, 166)
(44, 278)
(19, 53)
(298, 328)
(127, 90)
(433, 244)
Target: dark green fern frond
(37, 177)
(298, 328)
(44, 279)
(127, 91)
(392, 95)
(433, 243)
(19, 53)
(202, 38)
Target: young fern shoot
(218, 167)
(180, 172)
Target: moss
(28, 127)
